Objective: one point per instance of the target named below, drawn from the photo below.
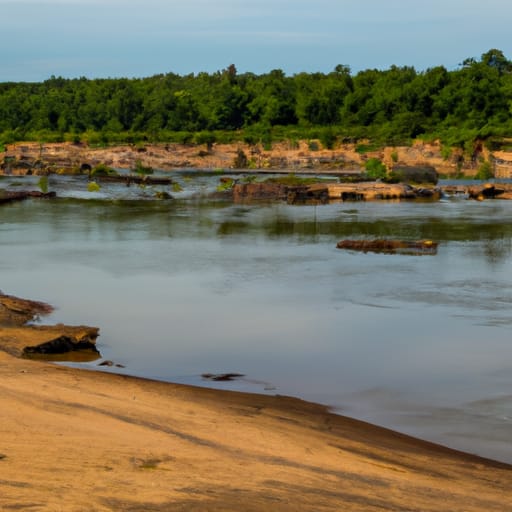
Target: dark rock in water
(60, 345)
(72, 339)
(418, 247)
(415, 174)
(490, 191)
(259, 191)
(222, 376)
(108, 362)
(138, 179)
(162, 195)
(10, 197)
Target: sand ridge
(80, 440)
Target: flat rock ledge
(7, 197)
(20, 339)
(326, 192)
(386, 246)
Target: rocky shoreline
(420, 163)
(302, 156)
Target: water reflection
(186, 287)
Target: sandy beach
(77, 440)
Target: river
(421, 344)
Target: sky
(134, 38)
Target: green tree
(375, 169)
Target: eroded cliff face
(35, 158)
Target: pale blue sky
(133, 38)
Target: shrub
(43, 184)
(328, 138)
(367, 148)
(142, 169)
(375, 169)
(102, 170)
(225, 184)
(240, 161)
(207, 138)
(313, 145)
(485, 171)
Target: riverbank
(300, 156)
(79, 440)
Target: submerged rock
(217, 377)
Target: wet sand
(76, 440)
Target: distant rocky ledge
(302, 156)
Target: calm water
(180, 288)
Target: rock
(22, 340)
(20, 195)
(259, 191)
(415, 174)
(50, 342)
(418, 247)
(490, 191)
(324, 192)
(218, 377)
(162, 195)
(16, 312)
(84, 340)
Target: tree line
(392, 106)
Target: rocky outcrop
(259, 191)
(63, 339)
(301, 156)
(16, 312)
(324, 192)
(421, 174)
(490, 191)
(20, 339)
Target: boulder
(259, 191)
(415, 174)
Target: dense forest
(473, 102)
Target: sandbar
(81, 440)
